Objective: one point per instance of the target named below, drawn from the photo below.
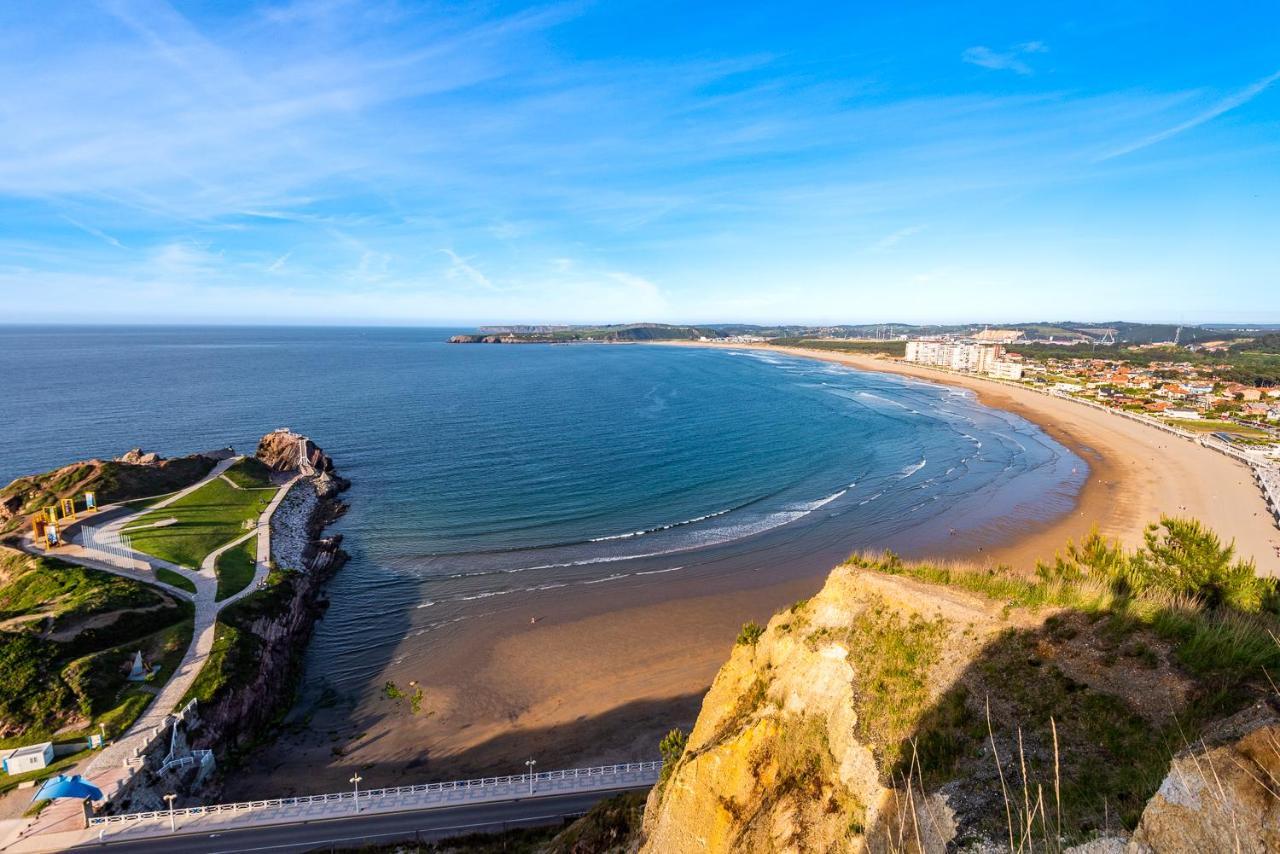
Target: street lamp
(529, 763)
(355, 781)
(173, 825)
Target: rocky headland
(924, 708)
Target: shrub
(671, 748)
(750, 633)
(1180, 557)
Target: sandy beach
(1138, 473)
(600, 676)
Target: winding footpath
(112, 767)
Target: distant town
(1195, 395)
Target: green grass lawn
(46, 691)
(1208, 426)
(66, 592)
(212, 516)
(250, 473)
(143, 503)
(168, 576)
(236, 566)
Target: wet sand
(600, 676)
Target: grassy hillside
(866, 348)
(1240, 364)
(112, 481)
(67, 638)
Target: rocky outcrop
(285, 451)
(888, 714)
(1222, 795)
(139, 457)
(780, 758)
(485, 339)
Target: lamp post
(355, 781)
(173, 824)
(529, 763)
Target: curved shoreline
(1137, 473)
(602, 675)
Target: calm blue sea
(488, 473)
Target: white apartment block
(969, 356)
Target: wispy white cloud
(463, 268)
(1226, 104)
(895, 237)
(1006, 60)
(364, 135)
(96, 232)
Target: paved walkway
(109, 769)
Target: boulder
(139, 457)
(1221, 794)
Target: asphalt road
(357, 831)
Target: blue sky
(438, 164)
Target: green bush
(1180, 557)
(672, 746)
(750, 633)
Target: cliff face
(780, 757)
(886, 714)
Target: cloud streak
(1009, 60)
(1231, 102)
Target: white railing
(586, 778)
(201, 757)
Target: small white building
(1183, 414)
(33, 757)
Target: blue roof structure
(63, 786)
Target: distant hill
(1059, 331)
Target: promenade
(220, 818)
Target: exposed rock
(775, 761)
(1220, 795)
(484, 339)
(9, 506)
(139, 457)
(286, 451)
(870, 718)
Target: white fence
(510, 787)
(109, 540)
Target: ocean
(488, 475)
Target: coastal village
(1190, 400)
(1189, 395)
